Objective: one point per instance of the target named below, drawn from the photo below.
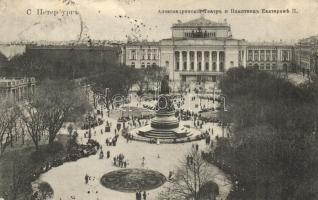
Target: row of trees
(54, 103)
(273, 151)
(121, 79)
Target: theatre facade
(202, 50)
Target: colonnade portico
(199, 60)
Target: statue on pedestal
(164, 86)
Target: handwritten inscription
(43, 12)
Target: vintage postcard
(158, 100)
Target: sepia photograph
(158, 100)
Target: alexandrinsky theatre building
(202, 50)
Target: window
(167, 64)
(274, 55)
(199, 66)
(214, 66)
(285, 55)
(262, 55)
(133, 55)
(149, 54)
(148, 65)
(143, 54)
(250, 55)
(268, 67)
(262, 66)
(133, 65)
(142, 65)
(206, 66)
(232, 64)
(184, 66)
(256, 55)
(221, 67)
(192, 65)
(154, 64)
(268, 55)
(154, 55)
(177, 66)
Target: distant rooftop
(274, 43)
(143, 43)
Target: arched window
(154, 64)
(148, 65)
(142, 65)
(268, 67)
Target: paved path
(68, 180)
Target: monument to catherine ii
(164, 126)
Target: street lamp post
(214, 98)
(223, 103)
(223, 97)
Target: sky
(104, 19)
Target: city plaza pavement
(68, 180)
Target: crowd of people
(112, 134)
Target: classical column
(253, 59)
(259, 55)
(195, 61)
(202, 61)
(244, 58)
(217, 61)
(210, 61)
(188, 60)
(136, 54)
(180, 61)
(150, 54)
(271, 52)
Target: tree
(9, 115)
(60, 101)
(189, 178)
(273, 151)
(45, 191)
(34, 121)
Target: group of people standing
(120, 161)
(140, 195)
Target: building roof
(142, 43)
(251, 44)
(200, 22)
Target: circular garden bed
(131, 180)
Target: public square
(159, 157)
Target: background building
(16, 89)
(201, 50)
(305, 58)
(269, 56)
